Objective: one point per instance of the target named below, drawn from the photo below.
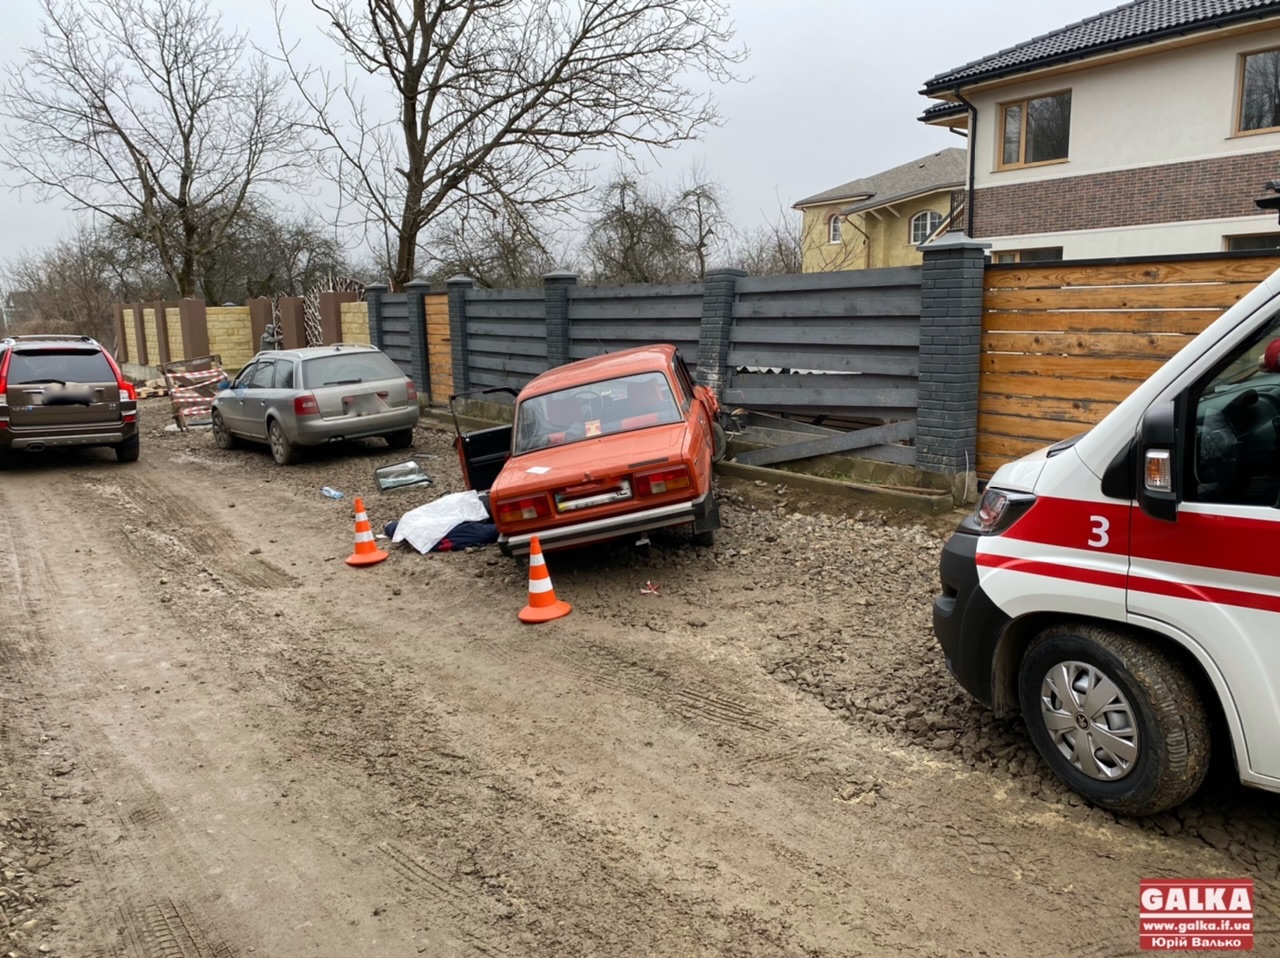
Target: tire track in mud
(168, 522)
(616, 671)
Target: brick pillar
(195, 328)
(950, 357)
(556, 303)
(140, 335)
(373, 294)
(414, 291)
(162, 333)
(331, 314)
(293, 322)
(719, 289)
(458, 287)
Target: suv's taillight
(411, 390)
(306, 405)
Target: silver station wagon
(292, 398)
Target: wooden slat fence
(608, 318)
(439, 357)
(506, 336)
(1063, 343)
(848, 344)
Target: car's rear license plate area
(571, 500)
(363, 404)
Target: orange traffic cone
(367, 553)
(543, 605)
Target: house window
(1042, 254)
(1260, 91)
(834, 236)
(923, 224)
(1036, 130)
(1258, 241)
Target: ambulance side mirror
(1158, 462)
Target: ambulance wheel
(1116, 719)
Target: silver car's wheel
(1089, 719)
(282, 450)
(222, 436)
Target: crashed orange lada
(613, 446)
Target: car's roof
(311, 352)
(625, 362)
(48, 339)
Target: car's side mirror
(1158, 462)
(223, 384)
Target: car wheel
(720, 442)
(1116, 718)
(128, 450)
(222, 436)
(282, 450)
(400, 439)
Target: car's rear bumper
(613, 527)
(34, 441)
(317, 432)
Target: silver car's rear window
(347, 369)
(60, 366)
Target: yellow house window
(1035, 130)
(923, 225)
(833, 235)
(1259, 91)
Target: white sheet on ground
(426, 525)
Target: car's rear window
(346, 369)
(595, 409)
(60, 365)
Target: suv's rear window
(60, 365)
(345, 369)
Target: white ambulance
(1122, 588)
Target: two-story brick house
(1147, 129)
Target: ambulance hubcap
(1089, 720)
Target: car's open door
(482, 452)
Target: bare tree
(153, 116)
(70, 287)
(771, 248)
(634, 237)
(505, 251)
(498, 101)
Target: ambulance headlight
(998, 510)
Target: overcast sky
(831, 92)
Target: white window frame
(833, 230)
(925, 216)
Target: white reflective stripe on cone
(535, 558)
(364, 537)
(539, 585)
(362, 517)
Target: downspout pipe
(973, 159)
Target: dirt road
(217, 740)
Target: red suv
(64, 391)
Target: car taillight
(411, 390)
(664, 480)
(4, 374)
(522, 510)
(305, 405)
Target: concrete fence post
(259, 319)
(458, 287)
(293, 322)
(122, 342)
(415, 292)
(556, 304)
(950, 359)
(161, 320)
(373, 294)
(719, 290)
(140, 336)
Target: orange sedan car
(613, 446)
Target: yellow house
(881, 220)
